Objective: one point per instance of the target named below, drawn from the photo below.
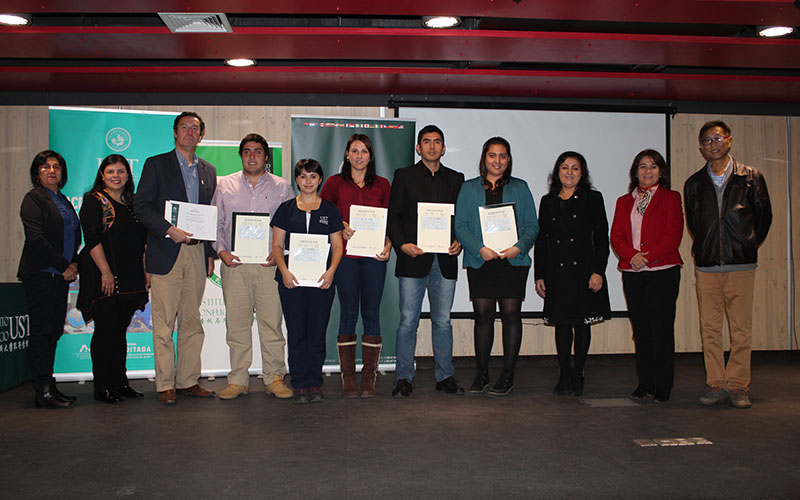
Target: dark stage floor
(431, 445)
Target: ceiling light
(15, 19)
(774, 31)
(240, 62)
(440, 21)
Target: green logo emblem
(118, 139)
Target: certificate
(200, 220)
(369, 224)
(434, 221)
(250, 237)
(498, 226)
(308, 257)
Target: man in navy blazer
(177, 264)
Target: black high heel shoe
(129, 392)
(108, 396)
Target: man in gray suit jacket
(177, 264)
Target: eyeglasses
(48, 167)
(717, 139)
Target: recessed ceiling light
(15, 19)
(440, 21)
(774, 31)
(240, 62)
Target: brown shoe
(197, 392)
(371, 354)
(347, 363)
(167, 397)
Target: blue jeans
(441, 292)
(360, 282)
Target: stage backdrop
(84, 136)
(324, 139)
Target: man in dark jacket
(728, 214)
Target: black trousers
(651, 297)
(112, 316)
(47, 310)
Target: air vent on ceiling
(196, 22)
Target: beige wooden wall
(758, 141)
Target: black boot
(126, 391)
(108, 396)
(61, 395)
(46, 398)
(562, 387)
(503, 386)
(480, 383)
(576, 382)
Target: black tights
(583, 337)
(484, 331)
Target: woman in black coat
(113, 283)
(47, 265)
(570, 259)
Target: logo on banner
(118, 139)
(14, 333)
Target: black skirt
(497, 279)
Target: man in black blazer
(426, 181)
(177, 263)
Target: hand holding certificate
(369, 224)
(199, 220)
(308, 258)
(250, 237)
(434, 222)
(498, 226)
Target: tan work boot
(278, 388)
(233, 391)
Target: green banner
(14, 336)
(324, 139)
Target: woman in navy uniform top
(306, 310)
(569, 265)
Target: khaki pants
(178, 292)
(733, 292)
(248, 288)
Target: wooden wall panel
(795, 190)
(759, 141)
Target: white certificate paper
(308, 257)
(250, 237)
(434, 222)
(200, 220)
(498, 226)
(369, 224)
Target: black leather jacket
(732, 237)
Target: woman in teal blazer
(496, 276)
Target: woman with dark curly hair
(570, 260)
(47, 265)
(113, 282)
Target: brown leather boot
(347, 363)
(370, 353)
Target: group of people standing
(129, 246)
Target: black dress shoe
(108, 396)
(449, 386)
(402, 388)
(46, 398)
(661, 396)
(129, 392)
(480, 383)
(61, 395)
(503, 386)
(641, 393)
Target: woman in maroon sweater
(359, 280)
(646, 234)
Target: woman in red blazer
(645, 234)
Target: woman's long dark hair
(663, 169)
(502, 181)
(555, 182)
(127, 189)
(369, 175)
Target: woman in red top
(646, 234)
(359, 280)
